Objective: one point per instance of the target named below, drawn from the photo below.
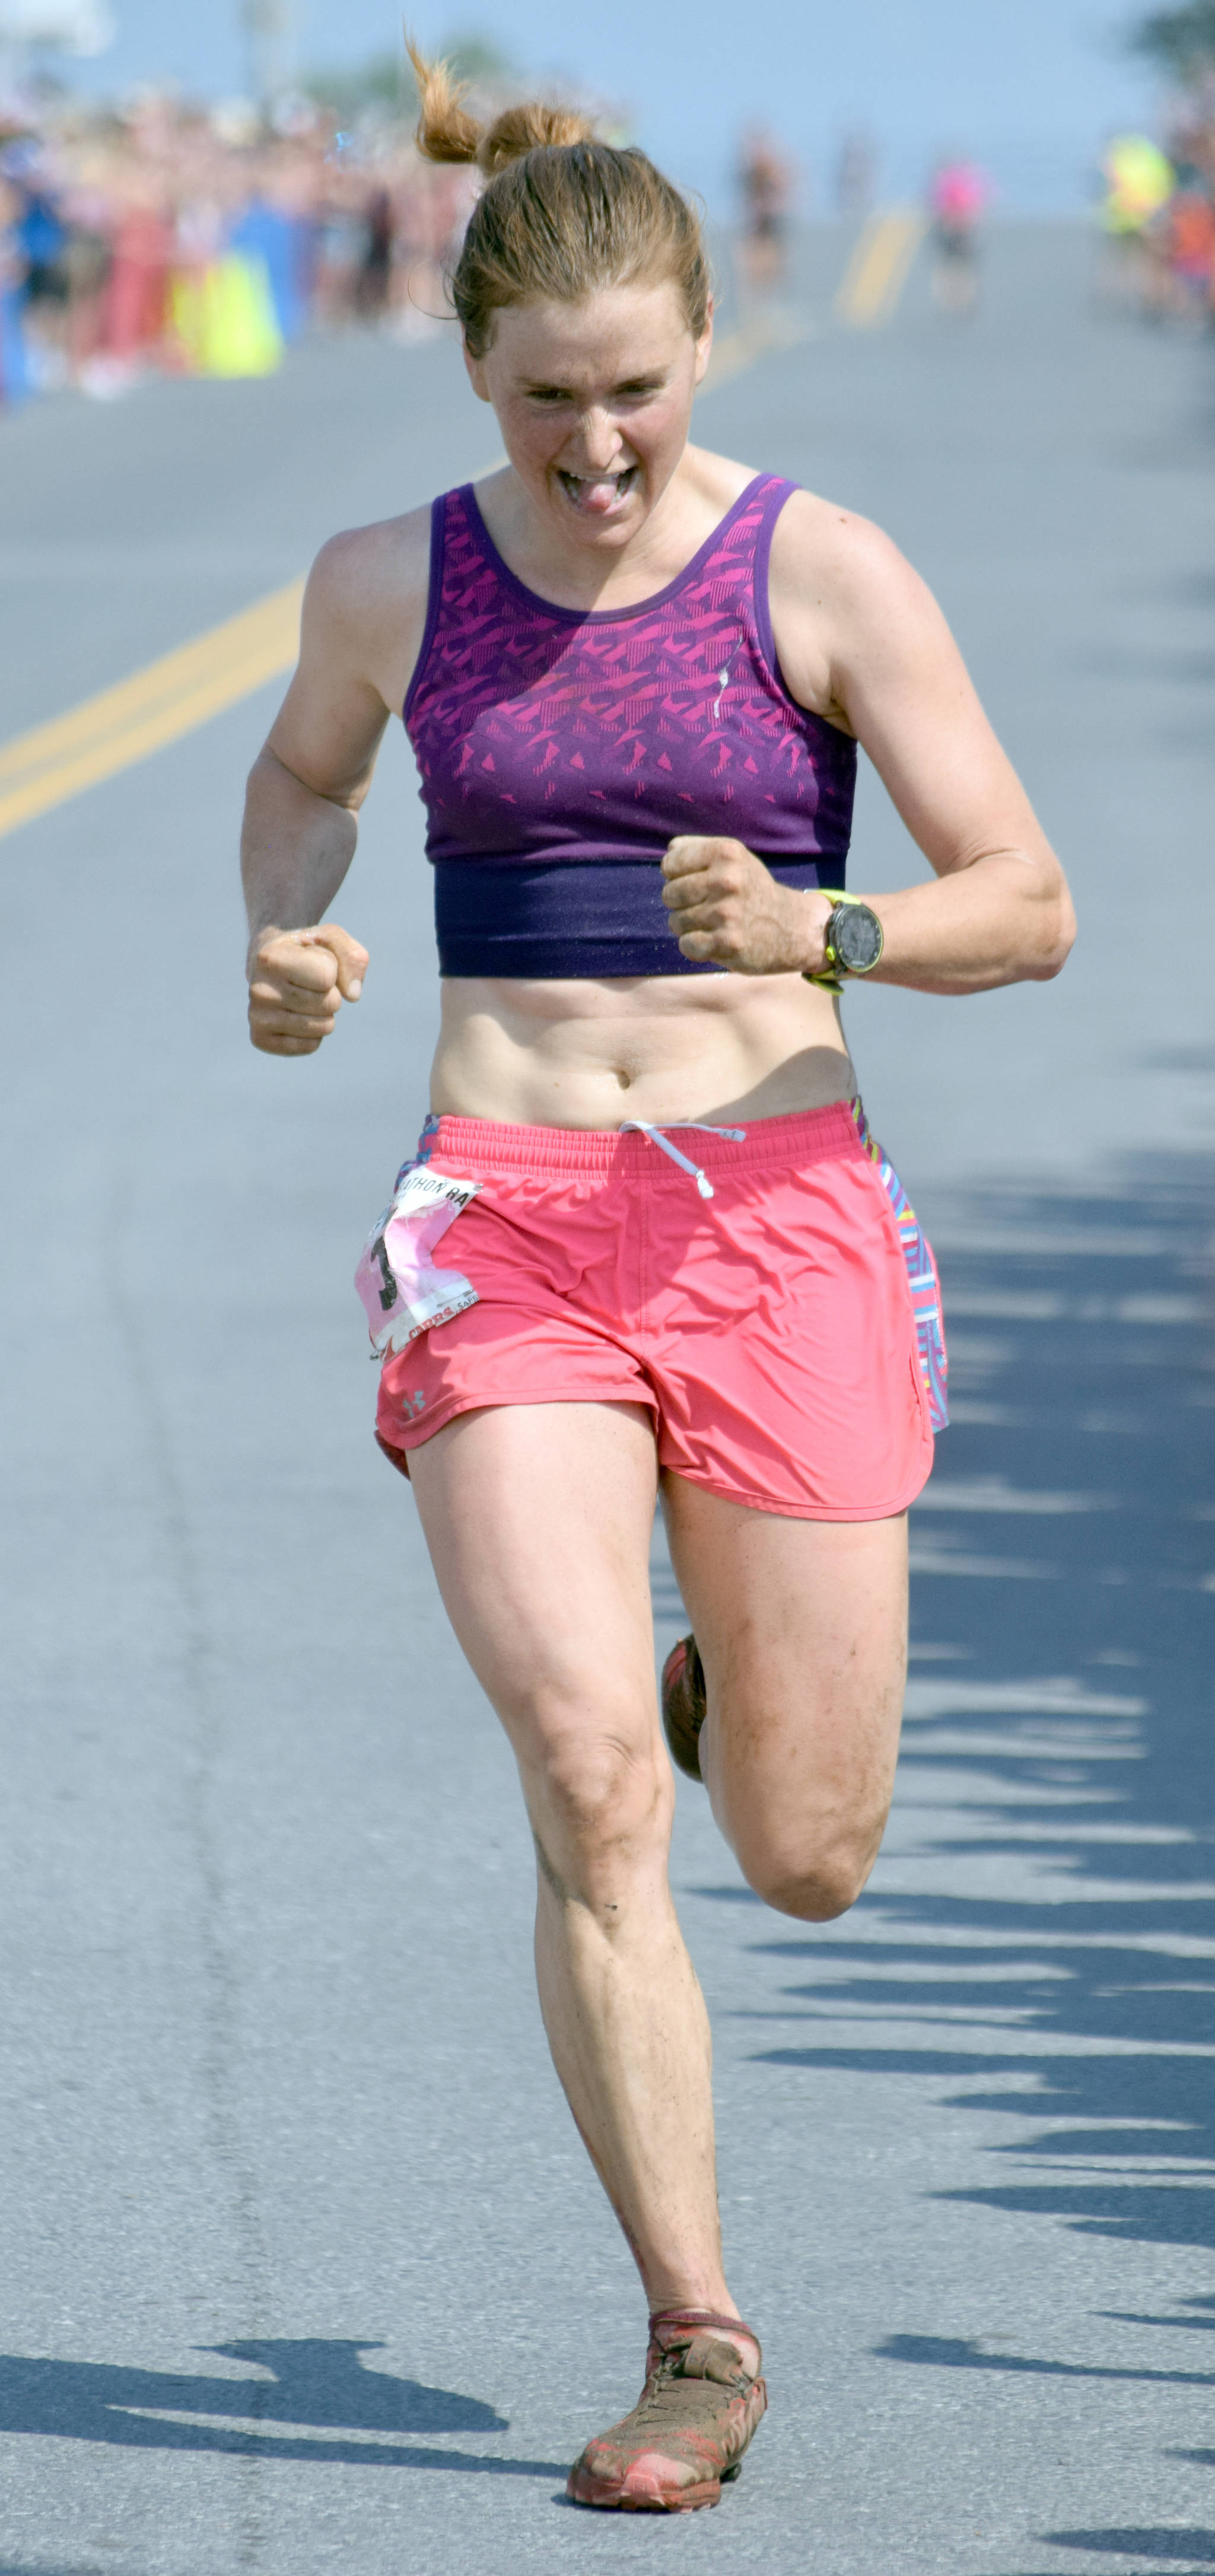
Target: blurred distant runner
(856, 172)
(1139, 181)
(765, 185)
(957, 197)
(1188, 227)
(646, 1246)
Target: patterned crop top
(560, 749)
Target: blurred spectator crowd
(1158, 215)
(198, 241)
(195, 240)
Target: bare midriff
(659, 1048)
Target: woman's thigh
(538, 1520)
(802, 1630)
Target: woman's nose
(600, 438)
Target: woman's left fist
(727, 909)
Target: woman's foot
(702, 2400)
(683, 1705)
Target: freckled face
(594, 401)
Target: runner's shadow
(317, 2382)
(320, 2381)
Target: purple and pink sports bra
(560, 749)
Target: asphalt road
(303, 2266)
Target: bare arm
(999, 911)
(861, 638)
(295, 847)
(362, 618)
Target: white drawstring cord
(658, 1136)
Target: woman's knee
(815, 1876)
(814, 1891)
(601, 1801)
(806, 1831)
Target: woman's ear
(703, 346)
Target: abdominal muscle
(660, 1048)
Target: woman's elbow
(1055, 941)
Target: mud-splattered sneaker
(683, 1705)
(689, 2428)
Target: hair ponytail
(528, 129)
(560, 214)
(446, 132)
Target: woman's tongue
(597, 494)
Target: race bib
(403, 1293)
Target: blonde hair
(560, 214)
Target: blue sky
(1028, 85)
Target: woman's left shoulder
(810, 527)
(843, 598)
(837, 560)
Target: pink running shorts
(781, 1327)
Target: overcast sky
(1029, 85)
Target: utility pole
(266, 25)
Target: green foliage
(385, 81)
(1182, 41)
(476, 58)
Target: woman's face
(594, 401)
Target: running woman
(646, 1245)
(957, 197)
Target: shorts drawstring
(658, 1136)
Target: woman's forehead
(632, 326)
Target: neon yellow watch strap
(829, 981)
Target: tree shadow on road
(1053, 1946)
(317, 2382)
(1165, 2545)
(957, 2352)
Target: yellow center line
(168, 698)
(183, 689)
(733, 351)
(878, 270)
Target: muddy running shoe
(689, 2428)
(683, 1705)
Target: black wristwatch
(853, 943)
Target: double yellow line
(170, 697)
(878, 270)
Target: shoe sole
(618, 2500)
(605, 2499)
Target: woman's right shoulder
(383, 565)
(366, 596)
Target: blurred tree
(383, 81)
(476, 58)
(1182, 41)
(386, 81)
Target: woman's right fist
(298, 981)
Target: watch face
(856, 936)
